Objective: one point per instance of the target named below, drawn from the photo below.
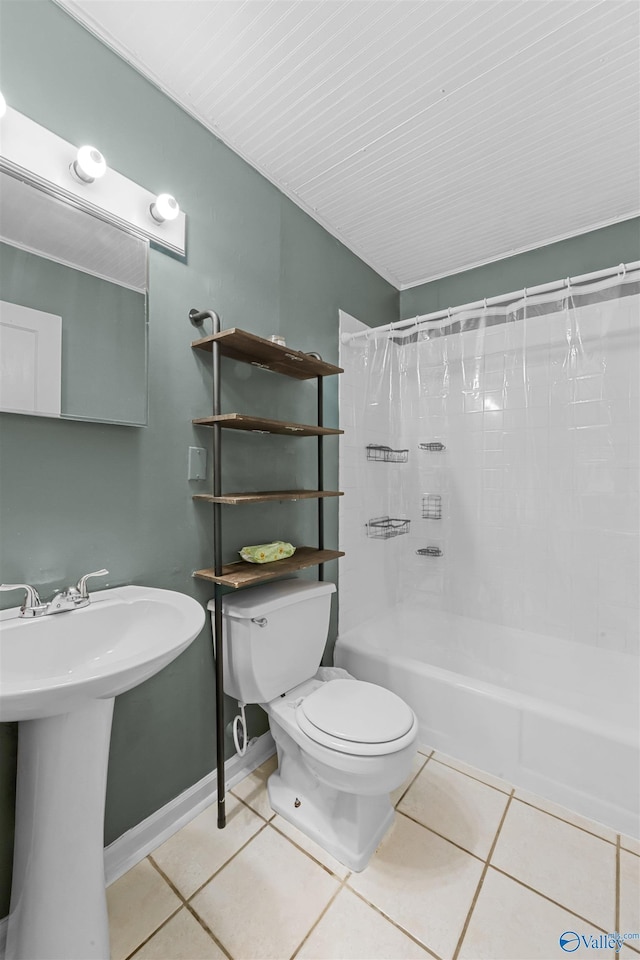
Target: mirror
(73, 311)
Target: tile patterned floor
(470, 870)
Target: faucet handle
(81, 586)
(32, 599)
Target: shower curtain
(490, 466)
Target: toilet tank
(273, 637)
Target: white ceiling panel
(429, 136)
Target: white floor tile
(191, 856)
(455, 806)
(263, 903)
(572, 867)
(482, 775)
(509, 921)
(137, 903)
(182, 938)
(311, 847)
(630, 894)
(599, 829)
(352, 930)
(422, 882)
(418, 763)
(253, 789)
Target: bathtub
(552, 716)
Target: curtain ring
(524, 290)
(624, 270)
(485, 303)
(568, 283)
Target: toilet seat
(357, 718)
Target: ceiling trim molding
(125, 54)
(514, 253)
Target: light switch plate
(197, 463)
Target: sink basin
(58, 677)
(52, 665)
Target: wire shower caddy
(383, 454)
(383, 528)
(432, 506)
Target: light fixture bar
(37, 155)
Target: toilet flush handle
(261, 621)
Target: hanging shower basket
(434, 446)
(386, 454)
(429, 552)
(432, 506)
(383, 528)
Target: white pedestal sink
(58, 677)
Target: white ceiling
(429, 136)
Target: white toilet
(343, 745)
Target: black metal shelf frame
(197, 317)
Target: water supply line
(240, 738)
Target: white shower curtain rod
(621, 270)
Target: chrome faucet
(72, 598)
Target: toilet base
(346, 825)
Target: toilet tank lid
(260, 601)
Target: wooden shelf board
(248, 348)
(243, 574)
(263, 496)
(240, 421)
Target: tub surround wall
(538, 481)
(79, 496)
(366, 580)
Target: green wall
(78, 496)
(619, 243)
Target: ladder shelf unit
(248, 348)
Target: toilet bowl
(336, 790)
(343, 745)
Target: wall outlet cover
(197, 466)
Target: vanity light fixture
(38, 156)
(3, 106)
(89, 165)
(164, 207)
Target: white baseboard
(134, 845)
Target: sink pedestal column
(58, 901)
